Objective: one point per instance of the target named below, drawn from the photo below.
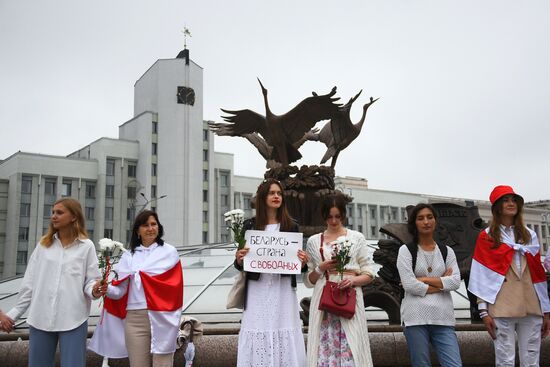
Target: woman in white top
(427, 310)
(143, 307)
(332, 340)
(58, 288)
(271, 330)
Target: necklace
(429, 263)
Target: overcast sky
(464, 86)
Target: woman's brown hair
(261, 207)
(78, 228)
(337, 201)
(521, 234)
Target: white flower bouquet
(108, 255)
(341, 249)
(235, 220)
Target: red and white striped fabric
(162, 281)
(490, 265)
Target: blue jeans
(442, 338)
(72, 347)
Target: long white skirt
(271, 331)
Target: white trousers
(528, 330)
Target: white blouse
(57, 286)
(419, 307)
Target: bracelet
(318, 270)
(483, 313)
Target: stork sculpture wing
(307, 113)
(341, 124)
(240, 123)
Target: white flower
(106, 244)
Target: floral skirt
(334, 349)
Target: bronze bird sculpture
(340, 131)
(265, 149)
(281, 132)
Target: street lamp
(149, 201)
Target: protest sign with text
(273, 252)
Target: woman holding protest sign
(336, 340)
(267, 338)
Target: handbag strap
(321, 251)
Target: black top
(249, 224)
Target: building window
(90, 191)
(224, 200)
(110, 191)
(155, 127)
(204, 237)
(394, 213)
(23, 233)
(90, 234)
(109, 211)
(154, 208)
(89, 212)
(403, 214)
(132, 192)
(25, 210)
(21, 257)
(543, 228)
(108, 233)
(205, 155)
(110, 167)
(247, 199)
(48, 210)
(153, 169)
(372, 213)
(224, 180)
(154, 148)
(128, 236)
(205, 134)
(225, 237)
(205, 196)
(26, 185)
(205, 175)
(373, 231)
(132, 170)
(49, 187)
(205, 216)
(66, 189)
(360, 228)
(130, 213)
(153, 191)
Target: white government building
(164, 159)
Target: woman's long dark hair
(261, 207)
(411, 222)
(337, 201)
(142, 218)
(521, 234)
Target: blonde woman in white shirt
(58, 288)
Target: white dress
(271, 330)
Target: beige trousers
(137, 332)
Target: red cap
(500, 191)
